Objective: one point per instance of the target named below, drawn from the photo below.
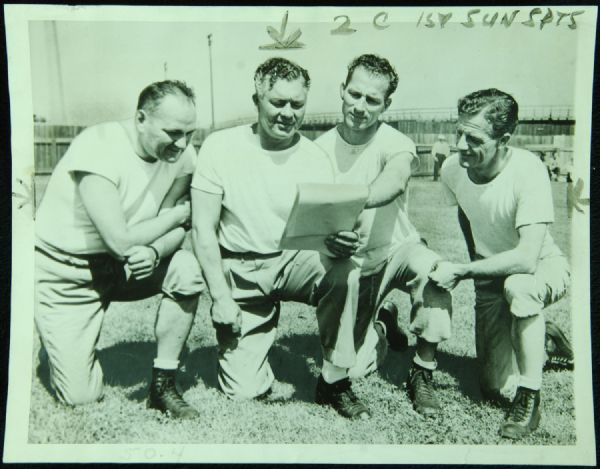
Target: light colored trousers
(71, 295)
(258, 285)
(498, 302)
(346, 305)
(407, 269)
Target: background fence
(545, 137)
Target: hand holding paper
(342, 244)
(323, 211)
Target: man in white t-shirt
(243, 191)
(504, 195)
(390, 255)
(110, 227)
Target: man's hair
(375, 65)
(278, 68)
(500, 109)
(152, 95)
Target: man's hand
(183, 199)
(227, 312)
(446, 275)
(227, 321)
(183, 212)
(141, 260)
(342, 244)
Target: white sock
(530, 383)
(165, 364)
(332, 373)
(423, 364)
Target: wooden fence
(51, 141)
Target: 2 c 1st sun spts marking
(474, 18)
(532, 18)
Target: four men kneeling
(112, 222)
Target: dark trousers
(437, 165)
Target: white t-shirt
(105, 149)
(258, 186)
(440, 148)
(384, 228)
(520, 195)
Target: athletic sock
(165, 364)
(424, 364)
(530, 383)
(332, 373)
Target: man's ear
(255, 99)
(140, 116)
(388, 101)
(342, 89)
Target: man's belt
(249, 255)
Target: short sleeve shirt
(520, 195)
(258, 186)
(380, 229)
(440, 148)
(106, 150)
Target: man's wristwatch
(157, 260)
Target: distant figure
(440, 151)
(553, 167)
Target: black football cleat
(421, 392)
(523, 416)
(559, 351)
(340, 396)
(164, 396)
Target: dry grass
(127, 349)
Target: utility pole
(59, 74)
(165, 68)
(212, 98)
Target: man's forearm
(499, 265)
(143, 233)
(206, 248)
(390, 183)
(383, 191)
(170, 242)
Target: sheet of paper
(320, 210)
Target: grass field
(127, 350)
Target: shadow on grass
(129, 364)
(464, 369)
(289, 359)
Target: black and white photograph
(300, 234)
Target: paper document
(320, 210)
